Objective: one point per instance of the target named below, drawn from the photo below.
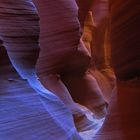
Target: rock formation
(68, 48)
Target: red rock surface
(118, 41)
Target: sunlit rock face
(96, 39)
(125, 21)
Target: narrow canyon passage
(57, 58)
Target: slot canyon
(69, 70)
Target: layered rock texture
(72, 45)
(19, 31)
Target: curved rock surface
(62, 51)
(124, 36)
